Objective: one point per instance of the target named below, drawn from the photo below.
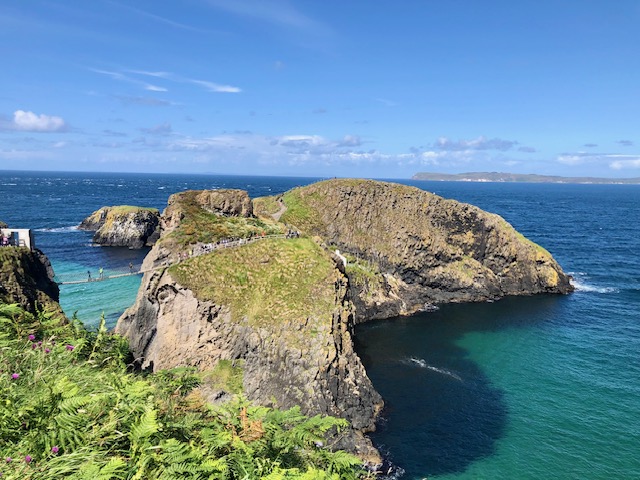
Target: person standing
(101, 273)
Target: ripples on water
(524, 388)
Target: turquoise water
(532, 387)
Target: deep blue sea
(523, 388)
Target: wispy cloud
(215, 87)
(124, 78)
(386, 102)
(158, 18)
(277, 12)
(31, 122)
(614, 161)
(480, 143)
(144, 101)
(162, 129)
(625, 143)
(206, 84)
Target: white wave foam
(581, 286)
(72, 228)
(423, 364)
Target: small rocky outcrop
(123, 226)
(26, 278)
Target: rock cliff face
(26, 278)
(409, 248)
(123, 226)
(278, 306)
(284, 308)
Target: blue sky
(372, 88)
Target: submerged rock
(123, 226)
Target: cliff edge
(26, 278)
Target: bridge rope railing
(197, 250)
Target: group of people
(101, 273)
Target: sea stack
(123, 226)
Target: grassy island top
(126, 209)
(275, 280)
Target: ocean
(523, 388)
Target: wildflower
(46, 350)
(55, 449)
(32, 337)
(27, 459)
(15, 376)
(70, 348)
(8, 460)
(34, 346)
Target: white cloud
(124, 78)
(155, 88)
(614, 161)
(31, 122)
(480, 143)
(625, 164)
(216, 87)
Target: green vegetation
(199, 225)
(69, 409)
(272, 280)
(266, 206)
(300, 211)
(226, 375)
(361, 272)
(126, 209)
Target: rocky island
(123, 226)
(307, 265)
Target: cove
(442, 375)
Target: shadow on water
(442, 413)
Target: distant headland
(518, 178)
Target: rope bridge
(199, 249)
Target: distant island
(517, 177)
